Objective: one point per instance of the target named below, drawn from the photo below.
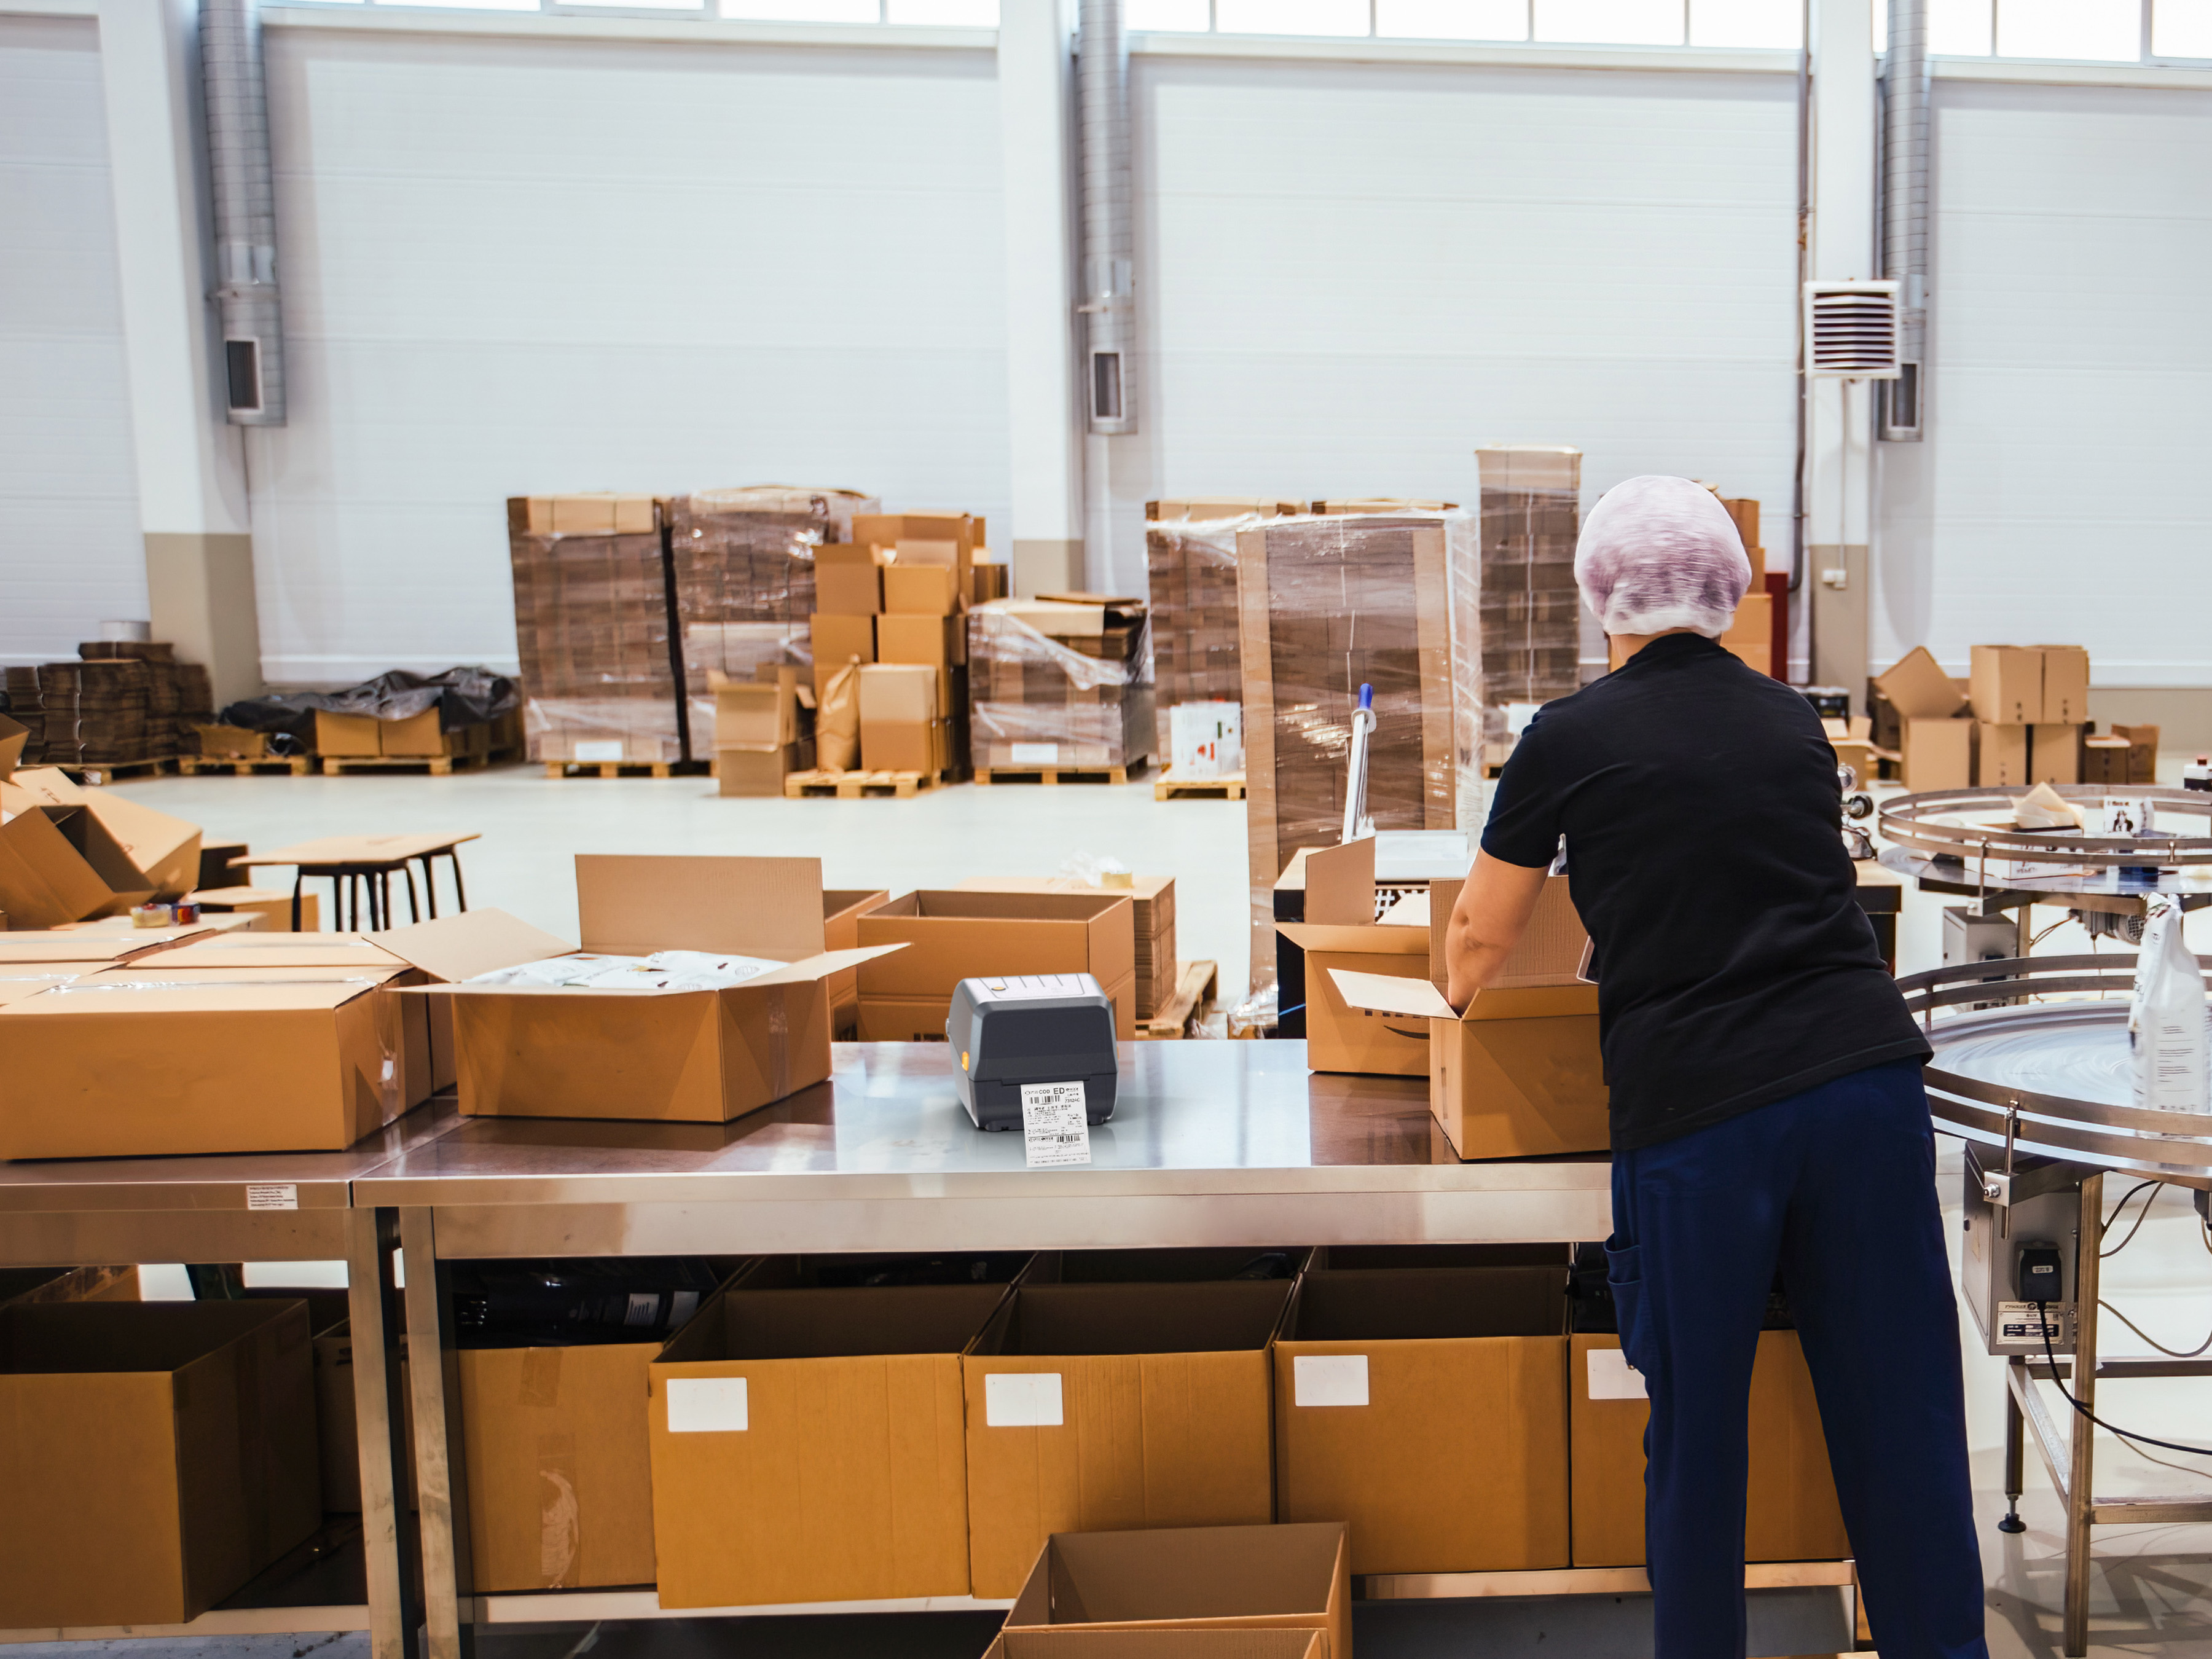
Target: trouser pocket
(1624, 1277)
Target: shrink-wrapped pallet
(1531, 613)
(1059, 682)
(1191, 564)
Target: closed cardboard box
(1790, 1512)
(1754, 622)
(1938, 754)
(837, 640)
(155, 1456)
(600, 514)
(1292, 1581)
(2001, 756)
(348, 734)
(2065, 685)
(2054, 754)
(338, 1414)
(954, 935)
(683, 1056)
(849, 577)
(1427, 1407)
(754, 773)
(421, 736)
(559, 1471)
(2007, 685)
(926, 590)
(2143, 751)
(897, 694)
(754, 714)
(902, 746)
(2104, 761)
(1103, 1407)
(808, 1445)
(167, 1060)
(938, 642)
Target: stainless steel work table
(293, 1206)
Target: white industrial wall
(2061, 494)
(71, 553)
(1351, 275)
(516, 266)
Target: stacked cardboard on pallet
(1531, 611)
(1062, 681)
(1327, 604)
(1190, 556)
(592, 628)
(122, 701)
(763, 730)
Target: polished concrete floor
(2153, 1585)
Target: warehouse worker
(1765, 1092)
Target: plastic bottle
(2169, 1030)
(2197, 774)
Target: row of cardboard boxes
(836, 1429)
(2021, 717)
(123, 1044)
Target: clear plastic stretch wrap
(1531, 613)
(1074, 699)
(1390, 600)
(746, 557)
(590, 626)
(1196, 657)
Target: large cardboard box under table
(150, 1060)
(1426, 1405)
(1281, 1578)
(154, 1457)
(952, 935)
(1518, 1074)
(673, 1055)
(1082, 1642)
(1103, 1406)
(1791, 1513)
(808, 1444)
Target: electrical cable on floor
(2119, 1209)
(2051, 1355)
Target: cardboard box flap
(1341, 884)
(12, 736)
(145, 991)
(1185, 1574)
(1081, 1642)
(634, 904)
(1372, 940)
(74, 946)
(165, 850)
(42, 785)
(1385, 994)
(1918, 688)
(820, 966)
(457, 948)
(253, 950)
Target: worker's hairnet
(1657, 553)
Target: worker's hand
(1494, 907)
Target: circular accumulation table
(1962, 841)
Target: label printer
(1030, 1029)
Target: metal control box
(1031, 1029)
(2045, 1208)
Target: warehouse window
(2076, 31)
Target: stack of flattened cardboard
(961, 933)
(591, 623)
(1531, 612)
(25, 704)
(179, 697)
(1062, 680)
(743, 579)
(156, 1455)
(1377, 1340)
(1190, 554)
(95, 712)
(808, 1441)
(1275, 1592)
(1113, 1391)
(1152, 900)
(1329, 605)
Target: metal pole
(395, 1612)
(2080, 1480)
(434, 1383)
(2015, 1466)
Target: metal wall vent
(1852, 329)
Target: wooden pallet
(852, 786)
(1230, 785)
(625, 768)
(1197, 984)
(437, 766)
(296, 766)
(986, 775)
(99, 772)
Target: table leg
(2015, 1464)
(299, 879)
(2080, 1480)
(434, 1381)
(430, 883)
(395, 1612)
(460, 893)
(414, 909)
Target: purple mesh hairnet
(1657, 553)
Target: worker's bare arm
(1494, 907)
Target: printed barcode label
(275, 1196)
(1055, 1127)
(1037, 754)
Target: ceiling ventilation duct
(244, 212)
(1102, 63)
(1904, 413)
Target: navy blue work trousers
(1837, 1186)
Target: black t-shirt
(1734, 966)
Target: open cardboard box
(1518, 1074)
(1081, 1642)
(1426, 1404)
(111, 852)
(149, 1059)
(1251, 1578)
(808, 1443)
(680, 1056)
(954, 934)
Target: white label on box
(390, 1067)
(1037, 754)
(274, 1196)
(1329, 1379)
(605, 749)
(1611, 1378)
(1055, 1124)
(1022, 1400)
(707, 1405)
